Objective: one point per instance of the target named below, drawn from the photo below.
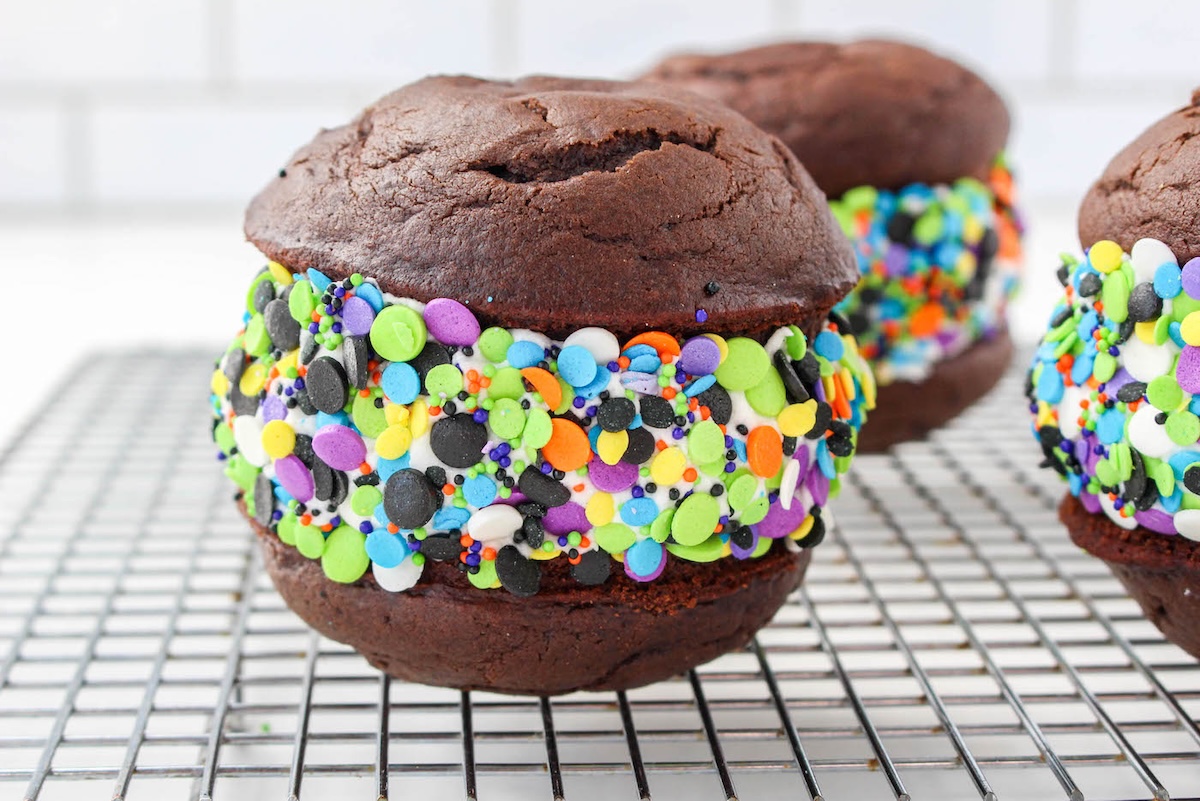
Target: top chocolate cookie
(872, 112)
(1151, 189)
(552, 204)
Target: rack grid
(949, 642)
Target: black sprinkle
(520, 576)
(410, 499)
(264, 293)
(242, 404)
(796, 393)
(283, 328)
(1089, 285)
(540, 488)
(356, 353)
(533, 531)
(308, 347)
(458, 440)
(440, 548)
(430, 357)
(640, 447)
(720, 406)
(233, 364)
(437, 475)
(264, 500)
(615, 414)
(327, 385)
(594, 568)
(824, 417)
(816, 534)
(1131, 392)
(656, 412)
(712, 288)
(1144, 303)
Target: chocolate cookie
(465, 447)
(873, 112)
(1148, 190)
(1115, 387)
(554, 201)
(908, 147)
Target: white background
(132, 132)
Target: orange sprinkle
(462, 557)
(305, 519)
(434, 411)
(568, 448)
(665, 344)
(488, 553)
(689, 474)
(448, 490)
(925, 320)
(1085, 403)
(585, 541)
(693, 404)
(328, 527)
(465, 540)
(660, 445)
(393, 528)
(669, 393)
(545, 384)
(622, 362)
(575, 559)
(579, 488)
(705, 413)
(472, 374)
(718, 529)
(302, 371)
(485, 382)
(764, 451)
(364, 393)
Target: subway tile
(620, 38)
(1149, 39)
(78, 43)
(207, 154)
(1005, 39)
(380, 43)
(33, 155)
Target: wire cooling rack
(949, 643)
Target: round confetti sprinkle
(745, 366)
(398, 333)
(568, 447)
(695, 519)
(451, 323)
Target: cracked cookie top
(551, 203)
(1149, 189)
(872, 112)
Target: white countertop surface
(81, 286)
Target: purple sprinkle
(476, 546)
(637, 492)
(691, 417)
(365, 527)
(579, 402)
(313, 328)
(277, 515)
(562, 542)
(504, 448)
(340, 292)
(289, 391)
(546, 468)
(728, 441)
(613, 367)
(730, 467)
(221, 457)
(701, 315)
(480, 416)
(336, 521)
(472, 559)
(505, 461)
(724, 520)
(329, 310)
(299, 383)
(337, 328)
(414, 543)
(591, 411)
(677, 433)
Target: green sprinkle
(345, 558)
(745, 366)
(494, 344)
(695, 519)
(1164, 393)
(445, 381)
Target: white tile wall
(188, 105)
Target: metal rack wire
(949, 642)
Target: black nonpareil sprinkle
(712, 288)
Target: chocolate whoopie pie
(1115, 385)
(909, 147)
(541, 389)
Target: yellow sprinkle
(722, 346)
(798, 419)
(393, 442)
(1105, 255)
(611, 445)
(1145, 331)
(599, 509)
(220, 384)
(287, 362)
(253, 379)
(972, 230)
(542, 556)
(830, 388)
(395, 414)
(1045, 415)
(667, 467)
(418, 417)
(279, 272)
(278, 439)
(1189, 329)
(805, 527)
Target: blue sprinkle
(1181, 461)
(479, 491)
(643, 557)
(1081, 371)
(1050, 385)
(635, 423)
(645, 363)
(1194, 405)
(283, 495)
(825, 460)
(523, 353)
(381, 515)
(1176, 336)
(639, 511)
(1172, 502)
(598, 385)
(400, 383)
(1087, 324)
(829, 345)
(699, 385)
(578, 367)
(1045, 352)
(1168, 280)
(335, 419)
(318, 279)
(1111, 426)
(386, 550)
(389, 467)
(1075, 483)
(371, 294)
(594, 438)
(634, 351)
(739, 447)
(449, 517)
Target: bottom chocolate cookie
(567, 637)
(1160, 572)
(908, 410)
